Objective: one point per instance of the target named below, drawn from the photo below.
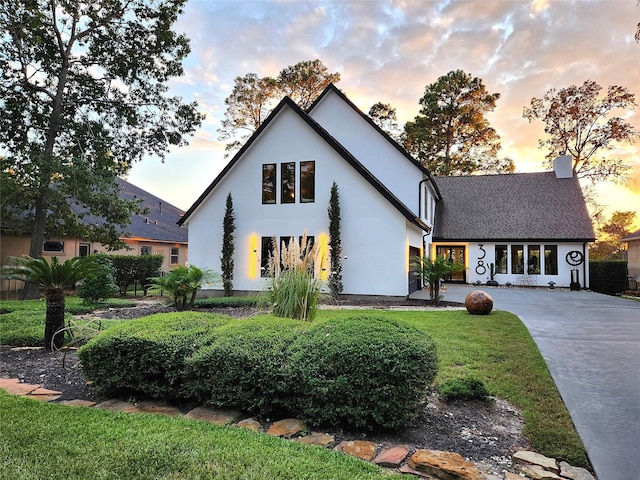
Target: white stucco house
(391, 207)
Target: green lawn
(58, 442)
(496, 348)
(22, 321)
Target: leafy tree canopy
(608, 245)
(386, 117)
(451, 135)
(579, 122)
(253, 98)
(83, 95)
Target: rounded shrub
(100, 286)
(361, 372)
(146, 356)
(245, 365)
(463, 388)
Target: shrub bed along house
(363, 372)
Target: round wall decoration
(575, 258)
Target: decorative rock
(78, 403)
(160, 408)
(575, 473)
(359, 449)
(407, 469)
(392, 457)
(117, 405)
(215, 416)
(512, 476)
(537, 459)
(251, 424)
(445, 465)
(316, 438)
(536, 472)
(286, 428)
(17, 388)
(478, 303)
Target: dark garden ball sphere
(478, 303)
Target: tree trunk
(54, 319)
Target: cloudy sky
(389, 51)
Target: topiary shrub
(361, 372)
(462, 389)
(145, 357)
(244, 366)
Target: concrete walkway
(591, 344)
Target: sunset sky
(389, 51)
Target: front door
(454, 254)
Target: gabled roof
(514, 207)
(331, 141)
(632, 236)
(160, 223)
(333, 89)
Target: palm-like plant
(53, 277)
(183, 284)
(431, 272)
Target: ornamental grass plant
(293, 290)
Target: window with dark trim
(288, 182)
(307, 182)
(502, 260)
(269, 183)
(266, 251)
(50, 246)
(533, 259)
(551, 260)
(174, 255)
(517, 258)
(145, 250)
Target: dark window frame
(174, 258)
(517, 260)
(551, 262)
(502, 263)
(53, 246)
(269, 177)
(308, 181)
(288, 182)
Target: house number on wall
(481, 268)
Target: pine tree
(335, 243)
(228, 227)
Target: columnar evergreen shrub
(226, 261)
(361, 372)
(145, 357)
(335, 242)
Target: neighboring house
(633, 254)
(156, 232)
(280, 183)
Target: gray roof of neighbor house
(160, 224)
(632, 236)
(519, 207)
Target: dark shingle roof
(519, 206)
(632, 236)
(160, 224)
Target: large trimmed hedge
(145, 357)
(608, 276)
(358, 372)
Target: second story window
(307, 182)
(269, 183)
(288, 176)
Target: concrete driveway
(591, 344)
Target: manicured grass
(496, 349)
(499, 350)
(23, 324)
(57, 442)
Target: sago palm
(53, 278)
